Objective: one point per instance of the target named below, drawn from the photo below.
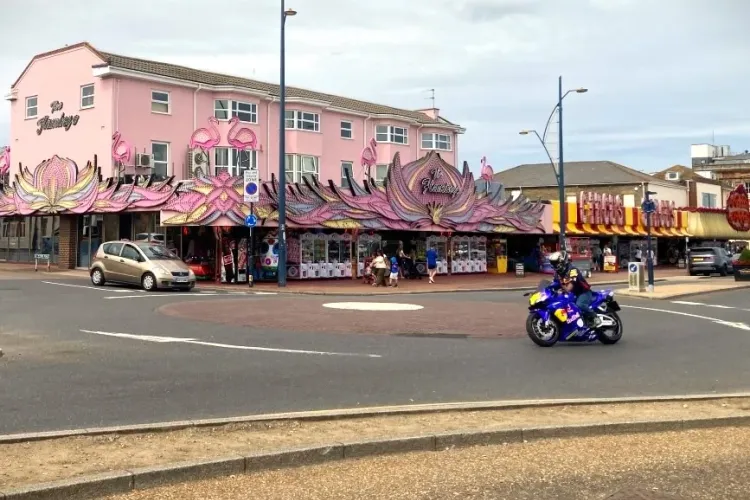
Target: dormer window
(673, 176)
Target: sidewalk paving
(663, 292)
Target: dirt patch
(41, 461)
(477, 319)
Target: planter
(742, 271)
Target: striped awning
(569, 228)
(618, 230)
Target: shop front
(603, 234)
(719, 226)
(331, 230)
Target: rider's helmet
(560, 261)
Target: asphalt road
(58, 373)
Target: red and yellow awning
(633, 224)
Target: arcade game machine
(497, 256)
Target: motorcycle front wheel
(610, 334)
(543, 334)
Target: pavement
(685, 289)
(79, 356)
(700, 464)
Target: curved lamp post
(560, 172)
(281, 270)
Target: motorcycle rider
(572, 280)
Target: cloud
(661, 74)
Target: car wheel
(148, 282)
(97, 277)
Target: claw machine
(478, 254)
(441, 247)
(306, 255)
(460, 247)
(340, 255)
(366, 246)
(320, 256)
(497, 256)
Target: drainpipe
(195, 106)
(268, 137)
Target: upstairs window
(234, 161)
(87, 96)
(32, 108)
(389, 133)
(160, 102)
(300, 166)
(302, 120)
(347, 167)
(346, 130)
(441, 142)
(224, 109)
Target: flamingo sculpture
(4, 161)
(121, 150)
(487, 172)
(206, 138)
(369, 155)
(241, 138)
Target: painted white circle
(372, 306)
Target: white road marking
(164, 340)
(99, 289)
(688, 303)
(373, 306)
(265, 293)
(145, 296)
(741, 326)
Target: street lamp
(649, 207)
(560, 173)
(281, 270)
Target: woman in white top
(380, 267)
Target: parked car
(708, 260)
(150, 237)
(150, 265)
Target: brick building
(703, 192)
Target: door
(114, 270)
(130, 260)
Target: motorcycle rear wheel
(614, 337)
(541, 333)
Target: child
(394, 272)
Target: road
(78, 356)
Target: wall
(701, 188)
(59, 77)
(552, 193)
(677, 194)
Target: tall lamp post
(560, 172)
(282, 150)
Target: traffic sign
(252, 187)
(251, 220)
(648, 206)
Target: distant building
(703, 191)
(718, 162)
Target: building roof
(688, 174)
(577, 173)
(209, 78)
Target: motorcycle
(554, 316)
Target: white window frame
(232, 164)
(84, 97)
(344, 166)
(168, 102)
(345, 130)
(35, 107)
(294, 118)
(297, 166)
(712, 197)
(232, 110)
(382, 167)
(165, 162)
(433, 141)
(389, 134)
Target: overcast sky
(662, 74)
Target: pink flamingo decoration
(369, 155)
(487, 172)
(121, 150)
(4, 161)
(206, 138)
(242, 139)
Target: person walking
(394, 272)
(432, 263)
(380, 267)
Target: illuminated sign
(738, 209)
(595, 208)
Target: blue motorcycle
(554, 316)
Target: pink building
(170, 146)
(71, 101)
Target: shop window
(160, 159)
(346, 167)
(87, 96)
(389, 133)
(234, 161)
(160, 102)
(32, 107)
(301, 166)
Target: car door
(113, 268)
(130, 260)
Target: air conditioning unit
(142, 160)
(198, 162)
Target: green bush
(745, 256)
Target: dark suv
(707, 260)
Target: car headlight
(191, 274)
(161, 270)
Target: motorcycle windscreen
(543, 285)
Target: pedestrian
(380, 267)
(638, 254)
(394, 272)
(401, 258)
(432, 263)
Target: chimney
(433, 113)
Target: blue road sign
(633, 268)
(648, 206)
(251, 220)
(251, 188)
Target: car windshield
(158, 252)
